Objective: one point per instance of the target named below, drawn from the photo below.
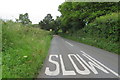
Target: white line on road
(63, 68)
(88, 56)
(85, 71)
(69, 43)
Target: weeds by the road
(24, 50)
(97, 42)
(0, 49)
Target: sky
(37, 9)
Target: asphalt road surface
(70, 59)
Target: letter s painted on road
(57, 71)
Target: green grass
(0, 49)
(24, 50)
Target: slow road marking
(89, 66)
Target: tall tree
(76, 14)
(24, 19)
(46, 22)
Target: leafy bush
(76, 14)
(104, 27)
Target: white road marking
(69, 43)
(93, 59)
(63, 68)
(88, 66)
(57, 71)
(92, 66)
(83, 72)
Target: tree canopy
(75, 15)
(24, 19)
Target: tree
(76, 14)
(48, 18)
(57, 25)
(24, 19)
(47, 22)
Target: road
(70, 59)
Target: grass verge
(24, 49)
(0, 49)
(96, 42)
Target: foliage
(104, 27)
(23, 50)
(1, 49)
(76, 14)
(50, 24)
(93, 23)
(103, 32)
(24, 19)
(47, 22)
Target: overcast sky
(37, 9)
